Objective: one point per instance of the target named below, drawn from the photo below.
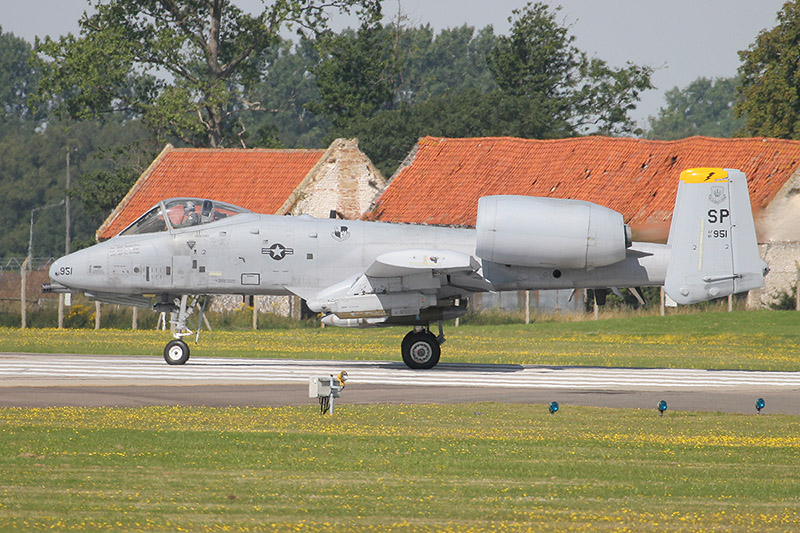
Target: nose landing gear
(176, 352)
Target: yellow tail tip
(704, 175)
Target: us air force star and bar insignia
(277, 251)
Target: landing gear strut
(176, 351)
(421, 348)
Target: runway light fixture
(760, 405)
(662, 406)
(553, 407)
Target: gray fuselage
(266, 254)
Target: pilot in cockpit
(190, 216)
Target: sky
(682, 39)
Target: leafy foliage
(568, 93)
(770, 70)
(454, 60)
(117, 169)
(282, 99)
(356, 79)
(180, 65)
(17, 78)
(535, 84)
(704, 107)
(785, 300)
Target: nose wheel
(176, 352)
(420, 350)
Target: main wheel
(176, 352)
(420, 350)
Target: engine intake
(549, 232)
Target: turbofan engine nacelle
(549, 232)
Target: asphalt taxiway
(45, 380)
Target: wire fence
(11, 264)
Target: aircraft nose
(54, 268)
(67, 270)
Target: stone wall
(783, 259)
(279, 305)
(344, 180)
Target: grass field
(758, 340)
(474, 467)
(403, 468)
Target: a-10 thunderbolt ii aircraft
(361, 274)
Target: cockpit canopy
(182, 213)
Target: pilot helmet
(189, 207)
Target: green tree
(288, 89)
(18, 78)
(387, 137)
(33, 175)
(704, 107)
(770, 79)
(184, 66)
(454, 60)
(114, 166)
(356, 78)
(379, 67)
(532, 83)
(562, 91)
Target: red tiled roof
(636, 177)
(257, 179)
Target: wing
(410, 262)
(405, 286)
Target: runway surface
(39, 380)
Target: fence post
(527, 307)
(23, 272)
(797, 288)
(61, 310)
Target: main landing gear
(176, 352)
(421, 348)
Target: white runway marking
(39, 369)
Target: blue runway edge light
(553, 407)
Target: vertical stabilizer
(712, 238)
